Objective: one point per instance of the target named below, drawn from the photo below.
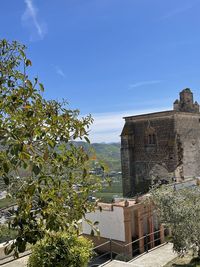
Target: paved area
(157, 257)
(17, 263)
(11, 262)
(117, 264)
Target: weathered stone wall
(187, 127)
(161, 146)
(143, 162)
(127, 163)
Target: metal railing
(111, 249)
(9, 258)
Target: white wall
(111, 223)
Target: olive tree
(179, 209)
(45, 172)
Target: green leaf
(41, 87)
(24, 156)
(31, 189)
(9, 248)
(22, 53)
(5, 167)
(28, 62)
(29, 84)
(87, 139)
(46, 155)
(51, 143)
(30, 113)
(21, 246)
(84, 173)
(6, 179)
(36, 169)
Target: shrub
(6, 234)
(60, 249)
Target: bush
(6, 234)
(61, 250)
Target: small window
(151, 139)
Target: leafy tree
(179, 209)
(43, 170)
(60, 250)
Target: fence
(128, 251)
(111, 250)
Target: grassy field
(107, 193)
(109, 154)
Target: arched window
(151, 139)
(150, 136)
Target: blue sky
(110, 58)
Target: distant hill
(108, 153)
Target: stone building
(161, 147)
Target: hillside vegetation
(107, 153)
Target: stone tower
(161, 147)
(186, 103)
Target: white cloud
(107, 127)
(60, 72)
(142, 83)
(30, 20)
(177, 11)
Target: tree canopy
(43, 170)
(179, 209)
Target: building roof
(160, 114)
